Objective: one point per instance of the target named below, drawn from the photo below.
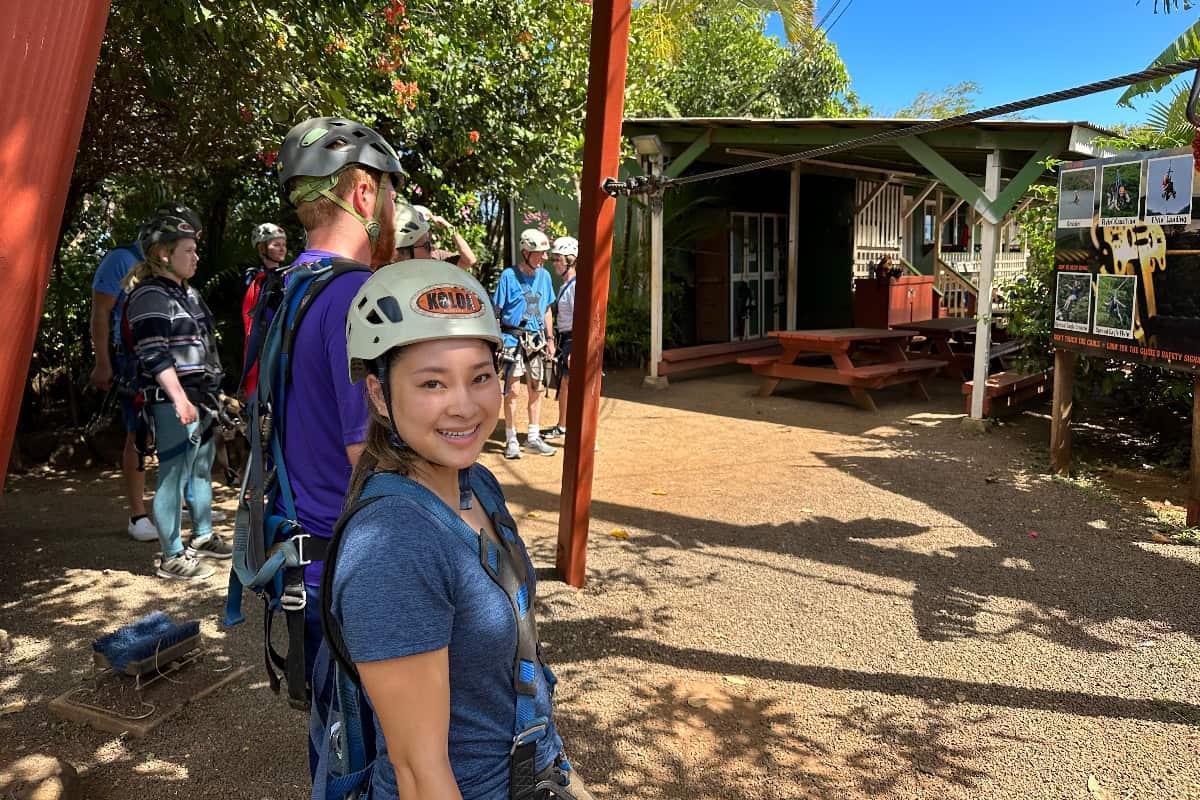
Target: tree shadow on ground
(68, 584)
(706, 737)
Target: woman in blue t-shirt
(429, 590)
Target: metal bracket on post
(635, 185)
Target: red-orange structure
(48, 60)
(601, 157)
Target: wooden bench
(871, 374)
(750, 361)
(685, 359)
(1004, 391)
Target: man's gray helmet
(416, 301)
(534, 241)
(266, 232)
(411, 225)
(316, 151)
(324, 146)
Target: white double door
(757, 277)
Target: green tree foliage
(483, 100)
(949, 102)
(727, 65)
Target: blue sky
(1012, 48)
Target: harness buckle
(530, 735)
(293, 598)
(298, 540)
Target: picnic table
(951, 340)
(889, 363)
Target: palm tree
(665, 18)
(1169, 118)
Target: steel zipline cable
(648, 184)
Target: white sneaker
(512, 449)
(143, 530)
(535, 445)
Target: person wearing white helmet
(414, 237)
(562, 258)
(412, 614)
(264, 289)
(522, 299)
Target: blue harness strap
(270, 547)
(501, 557)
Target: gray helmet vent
(390, 308)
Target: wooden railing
(865, 259)
(1008, 266)
(959, 295)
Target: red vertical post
(48, 60)
(601, 159)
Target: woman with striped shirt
(180, 376)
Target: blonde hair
(323, 211)
(153, 266)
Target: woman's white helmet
(266, 232)
(416, 301)
(534, 241)
(411, 225)
(424, 212)
(565, 246)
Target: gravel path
(801, 600)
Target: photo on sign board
(1121, 191)
(1073, 301)
(1169, 190)
(1077, 198)
(1116, 305)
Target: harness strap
(271, 550)
(502, 559)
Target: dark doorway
(826, 261)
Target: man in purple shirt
(340, 176)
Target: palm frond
(1170, 118)
(1185, 47)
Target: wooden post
(987, 268)
(793, 255)
(654, 380)
(601, 160)
(48, 62)
(1193, 503)
(1060, 412)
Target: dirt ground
(787, 598)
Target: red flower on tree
(395, 12)
(473, 136)
(269, 157)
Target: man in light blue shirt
(108, 302)
(523, 299)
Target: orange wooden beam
(48, 62)
(601, 159)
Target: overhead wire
(646, 185)
(839, 16)
(825, 16)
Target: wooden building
(742, 255)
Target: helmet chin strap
(312, 188)
(464, 475)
